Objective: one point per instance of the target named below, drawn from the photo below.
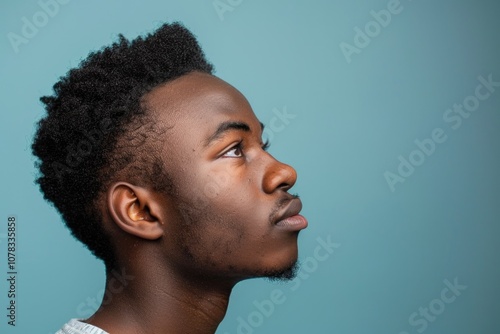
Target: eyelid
(238, 144)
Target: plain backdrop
(408, 214)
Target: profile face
(227, 217)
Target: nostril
(284, 186)
(288, 178)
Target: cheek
(229, 220)
(224, 190)
(222, 230)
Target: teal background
(352, 122)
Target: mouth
(290, 219)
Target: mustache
(280, 204)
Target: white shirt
(74, 326)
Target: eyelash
(266, 145)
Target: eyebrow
(228, 126)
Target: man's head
(150, 157)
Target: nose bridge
(278, 175)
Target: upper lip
(292, 208)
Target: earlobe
(132, 209)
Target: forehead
(196, 99)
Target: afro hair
(94, 109)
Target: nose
(278, 176)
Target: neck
(161, 302)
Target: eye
(234, 152)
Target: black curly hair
(95, 122)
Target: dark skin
(187, 250)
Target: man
(159, 168)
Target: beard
(283, 275)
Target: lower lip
(293, 223)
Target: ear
(135, 210)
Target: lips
(290, 218)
